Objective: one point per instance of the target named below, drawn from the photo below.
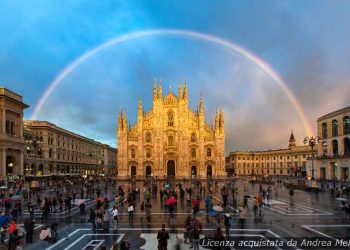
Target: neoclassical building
(171, 140)
(289, 161)
(11, 134)
(333, 161)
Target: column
(3, 164)
(3, 120)
(21, 163)
(20, 123)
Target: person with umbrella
(4, 220)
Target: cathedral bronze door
(194, 171)
(209, 171)
(171, 169)
(133, 171)
(148, 171)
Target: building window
(171, 118)
(324, 130)
(334, 128)
(8, 127)
(132, 153)
(209, 152)
(193, 152)
(335, 147)
(148, 137)
(280, 157)
(193, 137)
(347, 146)
(50, 153)
(296, 157)
(346, 125)
(171, 140)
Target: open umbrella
(3, 187)
(171, 200)
(340, 199)
(212, 212)
(5, 199)
(78, 202)
(218, 209)
(16, 197)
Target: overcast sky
(306, 42)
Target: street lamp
(312, 142)
(35, 141)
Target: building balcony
(325, 157)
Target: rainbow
(181, 33)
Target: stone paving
(302, 215)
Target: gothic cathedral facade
(171, 140)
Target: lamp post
(312, 142)
(35, 141)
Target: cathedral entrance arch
(194, 171)
(171, 169)
(148, 171)
(209, 171)
(133, 171)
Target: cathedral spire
(185, 97)
(216, 119)
(221, 119)
(125, 121)
(180, 90)
(201, 109)
(160, 91)
(155, 90)
(120, 120)
(140, 106)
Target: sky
(307, 43)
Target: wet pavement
(303, 215)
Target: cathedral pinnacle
(160, 91)
(185, 96)
(180, 90)
(201, 109)
(155, 90)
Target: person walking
(131, 212)
(142, 208)
(148, 207)
(4, 221)
(105, 221)
(115, 217)
(195, 238)
(14, 240)
(227, 223)
(242, 216)
(163, 237)
(92, 218)
(29, 227)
